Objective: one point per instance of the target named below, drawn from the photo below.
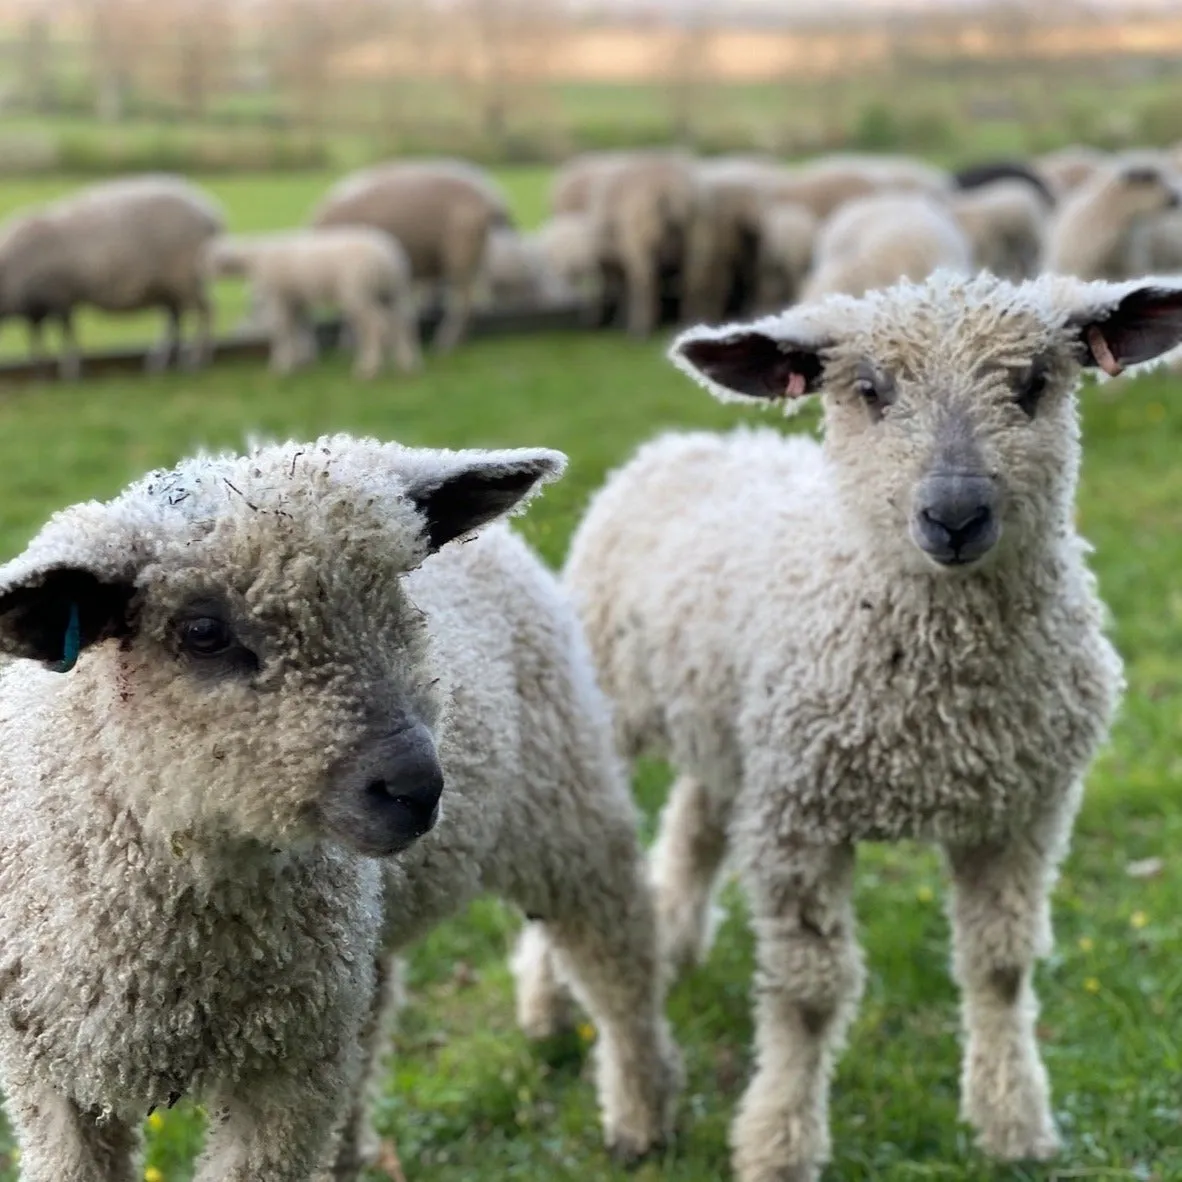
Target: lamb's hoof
(793, 1172)
(630, 1154)
(1021, 1144)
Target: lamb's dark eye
(873, 393)
(206, 636)
(1030, 389)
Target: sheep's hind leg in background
(601, 925)
(199, 351)
(289, 337)
(1000, 911)
(808, 981)
(69, 365)
(403, 330)
(158, 357)
(61, 1144)
(685, 860)
(367, 322)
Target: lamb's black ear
(744, 362)
(469, 489)
(52, 614)
(1136, 324)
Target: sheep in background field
(121, 246)
(275, 666)
(989, 173)
(1093, 234)
(787, 238)
(361, 272)
(648, 218)
(517, 272)
(1067, 168)
(1156, 244)
(440, 211)
(829, 182)
(734, 200)
(1006, 223)
(575, 181)
(570, 247)
(891, 634)
(876, 241)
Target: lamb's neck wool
(131, 920)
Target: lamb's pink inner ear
(1102, 353)
(796, 384)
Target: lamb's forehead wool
(947, 320)
(338, 499)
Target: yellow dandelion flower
(1156, 412)
(925, 894)
(152, 1174)
(586, 1031)
(1086, 943)
(1092, 985)
(156, 1121)
(1139, 919)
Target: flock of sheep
(264, 720)
(644, 237)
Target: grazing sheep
(121, 246)
(517, 272)
(573, 184)
(734, 199)
(1068, 168)
(441, 211)
(1156, 245)
(569, 245)
(647, 212)
(1005, 222)
(989, 173)
(274, 666)
(875, 241)
(359, 271)
(787, 237)
(891, 634)
(827, 183)
(1094, 232)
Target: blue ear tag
(73, 643)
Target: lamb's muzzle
(387, 797)
(955, 522)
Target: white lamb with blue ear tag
(262, 723)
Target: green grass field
(468, 1099)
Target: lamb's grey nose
(408, 784)
(386, 797)
(955, 520)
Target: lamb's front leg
(809, 979)
(61, 1143)
(279, 1128)
(1001, 922)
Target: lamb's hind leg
(61, 1144)
(685, 861)
(808, 982)
(1000, 913)
(601, 926)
